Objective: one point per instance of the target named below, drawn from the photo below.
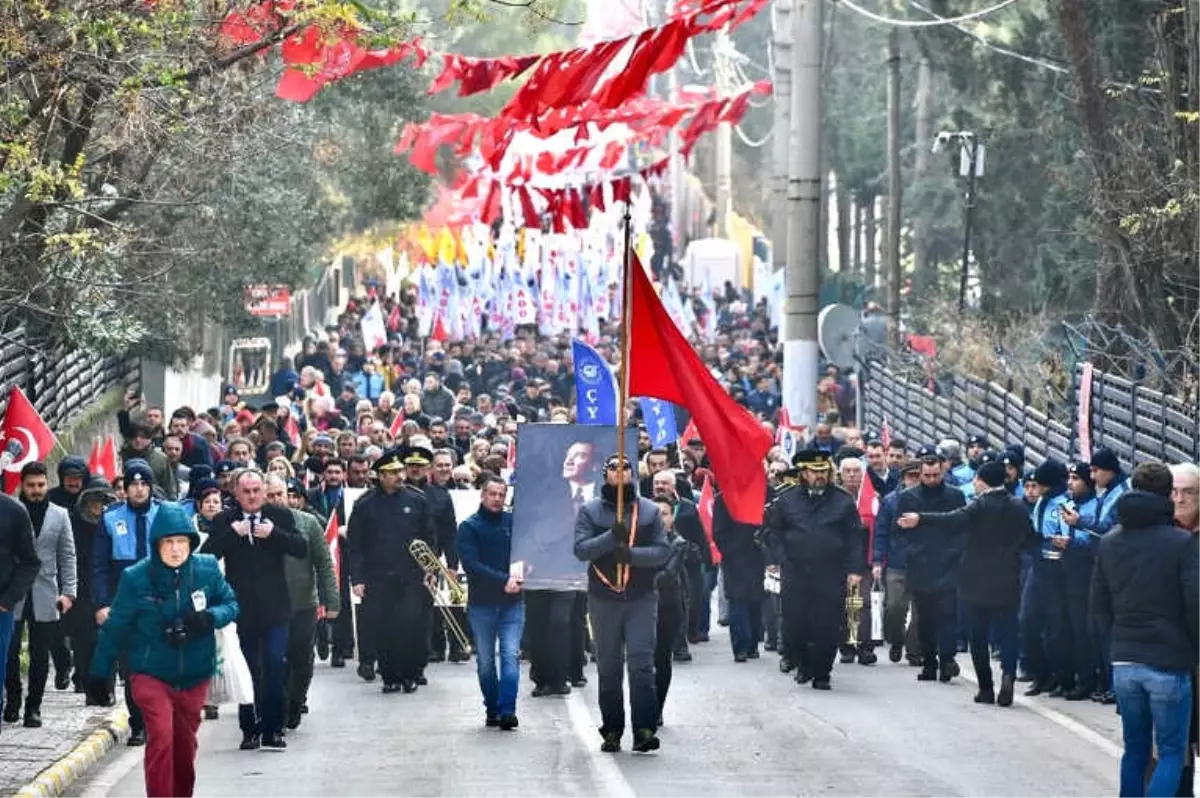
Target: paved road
(732, 729)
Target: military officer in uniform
(816, 536)
(384, 523)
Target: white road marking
(1054, 716)
(608, 773)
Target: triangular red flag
(106, 460)
(335, 546)
(663, 365)
(868, 508)
(93, 462)
(394, 430)
(704, 507)
(26, 437)
(689, 432)
(292, 430)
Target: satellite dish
(837, 333)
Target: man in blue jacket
(494, 607)
(162, 619)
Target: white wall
(171, 388)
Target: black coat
(687, 524)
(594, 543)
(742, 559)
(441, 506)
(995, 529)
(254, 567)
(382, 527)
(932, 551)
(19, 562)
(817, 540)
(1145, 586)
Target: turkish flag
(663, 365)
(335, 547)
(704, 507)
(394, 430)
(868, 508)
(26, 437)
(689, 432)
(103, 460)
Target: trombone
(455, 594)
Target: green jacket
(310, 578)
(152, 597)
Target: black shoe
(645, 741)
(847, 657)
(434, 657)
(1005, 697)
(33, 719)
(421, 681)
(1037, 688)
(409, 685)
(137, 738)
(541, 691)
(722, 621)
(579, 682)
(304, 709)
(915, 662)
(274, 742)
(250, 742)
(1098, 695)
(12, 711)
(390, 687)
(491, 721)
(770, 645)
(212, 713)
(1109, 699)
(683, 656)
(785, 665)
(802, 677)
(701, 638)
(460, 656)
(962, 648)
(752, 654)
(561, 689)
(821, 684)
(927, 676)
(949, 671)
(1058, 692)
(895, 653)
(612, 742)
(62, 681)
(867, 657)
(322, 648)
(366, 671)
(1079, 694)
(740, 657)
(1024, 677)
(985, 696)
(509, 722)
(294, 717)
(337, 661)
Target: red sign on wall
(268, 300)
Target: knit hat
(203, 488)
(1052, 473)
(991, 473)
(1106, 459)
(138, 470)
(1014, 455)
(1084, 472)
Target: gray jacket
(55, 546)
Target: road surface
(731, 729)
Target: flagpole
(623, 378)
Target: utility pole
(803, 277)
(971, 163)
(893, 206)
(722, 70)
(675, 169)
(781, 22)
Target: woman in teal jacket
(164, 615)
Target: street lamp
(970, 166)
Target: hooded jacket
(1145, 586)
(58, 495)
(152, 598)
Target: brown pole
(623, 377)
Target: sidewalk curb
(56, 779)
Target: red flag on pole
(663, 365)
(689, 432)
(93, 462)
(868, 508)
(397, 422)
(26, 437)
(705, 509)
(105, 464)
(335, 546)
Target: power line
(917, 23)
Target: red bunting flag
(704, 507)
(26, 437)
(663, 365)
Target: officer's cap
(812, 460)
(225, 467)
(929, 452)
(390, 460)
(417, 456)
(977, 440)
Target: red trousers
(172, 720)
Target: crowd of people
(220, 514)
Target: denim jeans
(265, 650)
(704, 609)
(6, 628)
(745, 626)
(503, 624)
(1155, 706)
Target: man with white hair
(1186, 495)
(850, 471)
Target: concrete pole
(722, 70)
(781, 22)
(803, 278)
(675, 170)
(894, 272)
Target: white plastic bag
(877, 606)
(232, 683)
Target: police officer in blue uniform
(1111, 483)
(1077, 519)
(1045, 596)
(123, 538)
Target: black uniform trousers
(41, 639)
(396, 627)
(343, 625)
(812, 620)
(937, 627)
(577, 659)
(672, 615)
(79, 626)
(548, 624)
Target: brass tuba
(455, 595)
(854, 608)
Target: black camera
(176, 634)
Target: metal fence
(1138, 424)
(60, 383)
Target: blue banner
(660, 422)
(595, 387)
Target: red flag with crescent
(25, 437)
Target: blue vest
(1047, 522)
(1080, 536)
(963, 474)
(120, 521)
(1106, 511)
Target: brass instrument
(854, 608)
(454, 595)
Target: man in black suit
(253, 538)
